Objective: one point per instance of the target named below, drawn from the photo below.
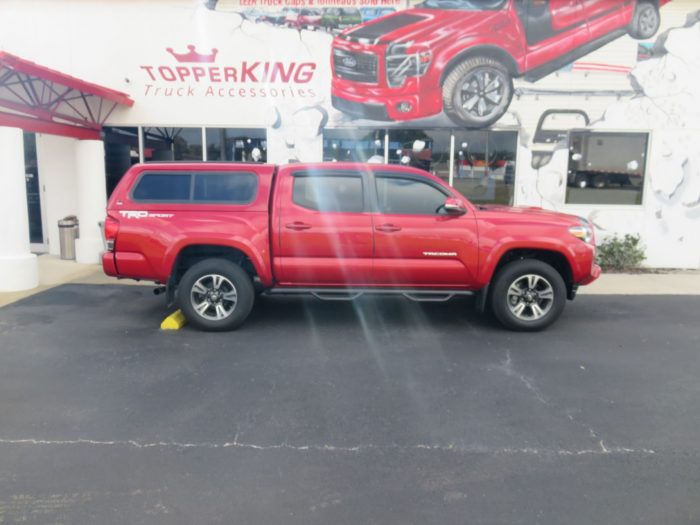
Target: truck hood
(424, 26)
(527, 212)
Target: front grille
(359, 67)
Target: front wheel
(216, 295)
(528, 295)
(645, 21)
(477, 92)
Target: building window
(353, 145)
(606, 167)
(121, 152)
(172, 144)
(428, 150)
(484, 170)
(239, 145)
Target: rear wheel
(216, 295)
(477, 92)
(645, 21)
(528, 295)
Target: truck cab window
(163, 187)
(329, 193)
(396, 195)
(231, 188)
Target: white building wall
(79, 38)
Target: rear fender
(258, 259)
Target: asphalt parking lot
(380, 411)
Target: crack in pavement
(131, 443)
(507, 368)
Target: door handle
(298, 226)
(388, 228)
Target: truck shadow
(373, 312)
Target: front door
(416, 244)
(325, 229)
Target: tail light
(111, 230)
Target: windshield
(466, 5)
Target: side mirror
(454, 206)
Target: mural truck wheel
(477, 92)
(646, 20)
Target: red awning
(40, 99)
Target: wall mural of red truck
(461, 56)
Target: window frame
(366, 200)
(193, 175)
(576, 207)
(447, 192)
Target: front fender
(491, 258)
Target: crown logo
(192, 55)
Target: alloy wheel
(530, 297)
(213, 297)
(483, 92)
(648, 20)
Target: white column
(18, 266)
(92, 199)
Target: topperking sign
(195, 74)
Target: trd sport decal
(440, 254)
(131, 214)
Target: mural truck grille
(360, 67)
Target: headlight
(584, 231)
(402, 63)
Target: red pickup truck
(462, 55)
(215, 234)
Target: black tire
(236, 276)
(508, 276)
(646, 20)
(453, 98)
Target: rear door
(553, 28)
(324, 229)
(415, 243)
(604, 16)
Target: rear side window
(198, 187)
(235, 188)
(331, 193)
(408, 196)
(163, 187)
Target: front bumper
(595, 273)
(383, 103)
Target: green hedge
(618, 254)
